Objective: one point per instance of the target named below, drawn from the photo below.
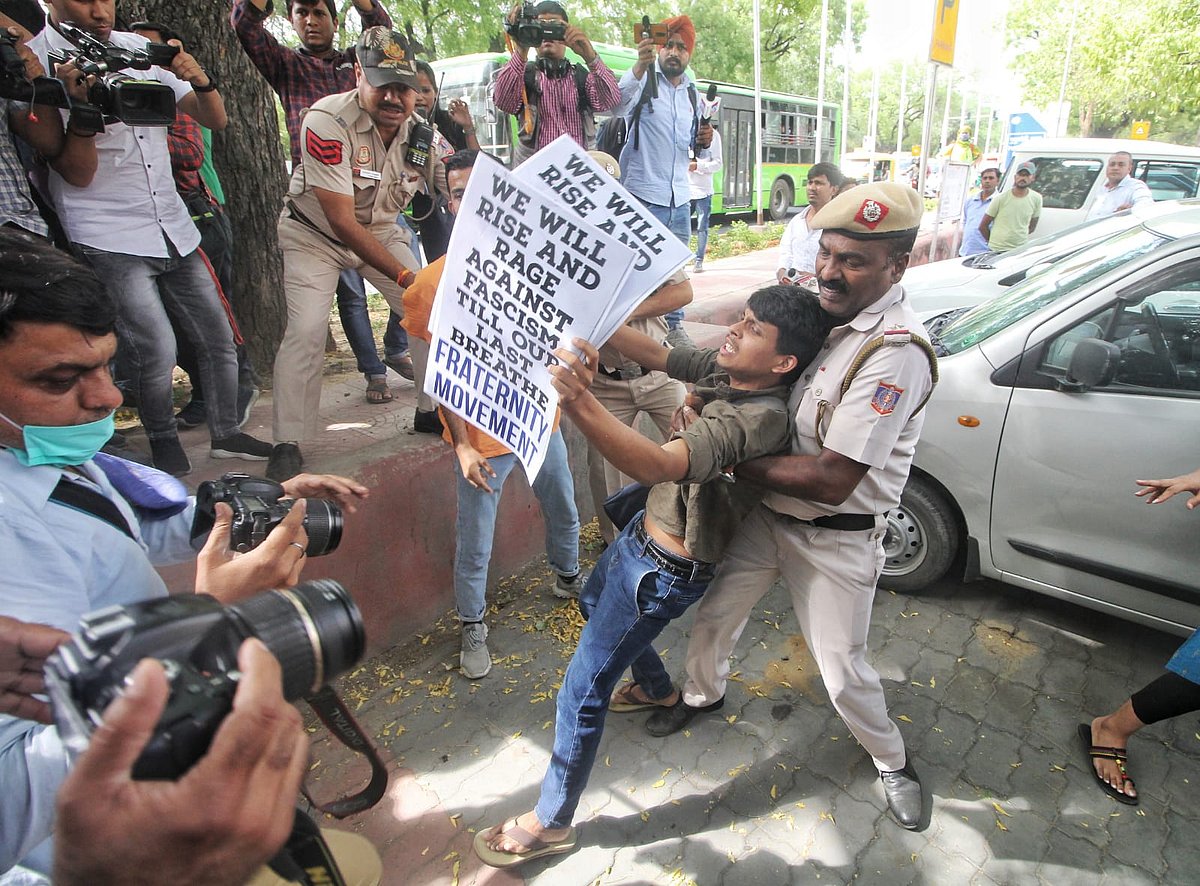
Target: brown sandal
(631, 698)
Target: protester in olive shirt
(663, 560)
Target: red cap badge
(870, 214)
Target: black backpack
(614, 132)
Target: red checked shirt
(558, 107)
(297, 76)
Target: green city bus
(789, 124)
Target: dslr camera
(529, 30)
(118, 96)
(315, 630)
(259, 506)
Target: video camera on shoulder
(529, 30)
(118, 96)
(259, 505)
(315, 630)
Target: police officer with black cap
(858, 413)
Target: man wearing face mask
(78, 531)
(363, 157)
(551, 96)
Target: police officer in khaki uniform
(821, 527)
(362, 160)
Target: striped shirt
(558, 106)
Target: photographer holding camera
(129, 224)
(551, 96)
(80, 533)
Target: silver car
(1054, 396)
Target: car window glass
(1169, 180)
(1156, 329)
(1046, 288)
(1064, 182)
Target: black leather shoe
(669, 720)
(427, 422)
(285, 462)
(902, 788)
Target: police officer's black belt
(680, 567)
(844, 522)
(296, 215)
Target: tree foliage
(1130, 60)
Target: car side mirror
(1093, 365)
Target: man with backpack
(663, 128)
(551, 96)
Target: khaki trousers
(311, 265)
(656, 394)
(831, 576)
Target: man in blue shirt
(71, 542)
(655, 160)
(973, 242)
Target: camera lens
(323, 523)
(314, 629)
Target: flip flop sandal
(533, 847)
(624, 701)
(1100, 752)
(378, 391)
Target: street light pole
(1062, 89)
(821, 81)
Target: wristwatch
(212, 84)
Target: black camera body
(315, 630)
(118, 96)
(259, 505)
(48, 91)
(529, 30)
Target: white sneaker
(474, 658)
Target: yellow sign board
(945, 29)
(1141, 129)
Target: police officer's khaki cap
(386, 58)
(607, 162)
(876, 211)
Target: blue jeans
(356, 323)
(145, 289)
(627, 601)
(679, 220)
(702, 206)
(395, 339)
(476, 524)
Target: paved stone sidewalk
(987, 682)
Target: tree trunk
(247, 155)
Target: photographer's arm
(23, 651)
(276, 563)
(346, 492)
(218, 823)
(207, 107)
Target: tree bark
(248, 157)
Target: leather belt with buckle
(844, 522)
(620, 374)
(680, 567)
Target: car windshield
(1051, 247)
(1045, 288)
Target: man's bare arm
(985, 226)
(339, 210)
(640, 348)
(667, 298)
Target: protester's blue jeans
(702, 206)
(476, 524)
(356, 323)
(145, 289)
(627, 602)
(679, 220)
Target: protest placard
(522, 277)
(564, 170)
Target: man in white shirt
(1121, 190)
(131, 226)
(707, 163)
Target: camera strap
(338, 720)
(83, 498)
(306, 858)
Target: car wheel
(782, 196)
(922, 539)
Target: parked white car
(938, 287)
(1054, 396)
